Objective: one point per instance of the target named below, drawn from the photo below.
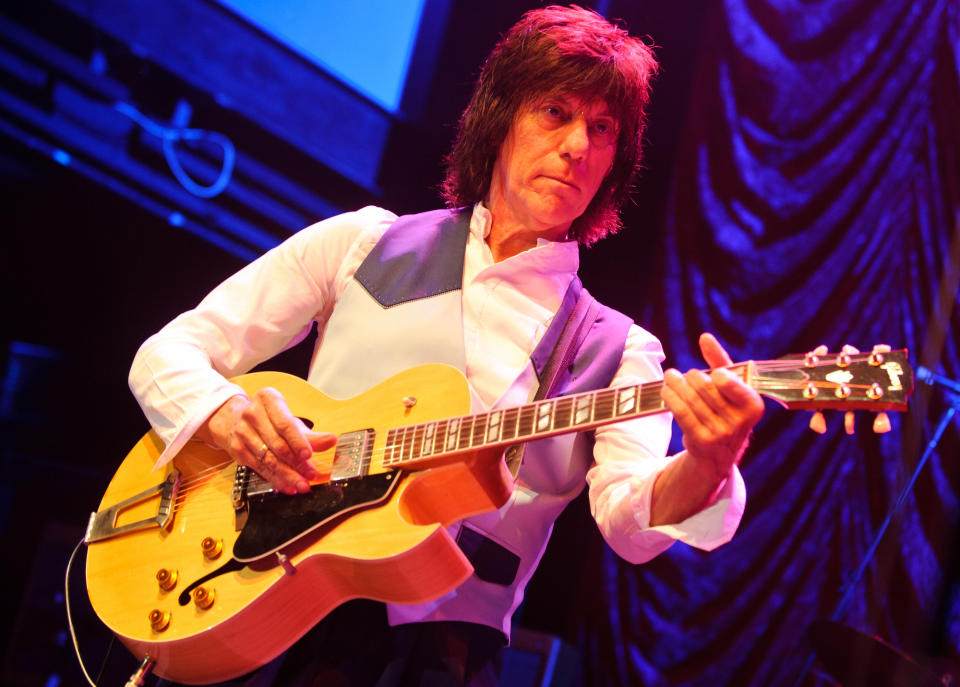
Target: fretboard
(549, 417)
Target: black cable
(70, 627)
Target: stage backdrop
(814, 200)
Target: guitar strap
(581, 318)
(492, 562)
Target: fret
(466, 428)
(406, 448)
(429, 437)
(583, 407)
(626, 400)
(511, 416)
(412, 442)
(650, 400)
(493, 426)
(562, 412)
(525, 422)
(479, 430)
(440, 442)
(390, 449)
(453, 430)
(544, 416)
(603, 405)
(416, 446)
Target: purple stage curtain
(814, 200)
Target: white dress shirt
(179, 377)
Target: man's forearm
(683, 489)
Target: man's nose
(576, 138)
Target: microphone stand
(952, 389)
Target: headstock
(845, 381)
(879, 380)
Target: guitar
(207, 570)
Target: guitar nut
(159, 620)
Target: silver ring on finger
(262, 452)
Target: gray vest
(403, 308)
(409, 287)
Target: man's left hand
(716, 411)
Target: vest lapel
(419, 256)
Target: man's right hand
(261, 433)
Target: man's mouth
(561, 180)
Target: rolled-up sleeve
(629, 456)
(180, 375)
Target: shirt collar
(562, 255)
(481, 221)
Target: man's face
(551, 164)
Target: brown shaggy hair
(552, 51)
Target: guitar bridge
(103, 524)
(351, 458)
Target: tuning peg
(848, 422)
(876, 355)
(881, 423)
(812, 358)
(843, 357)
(817, 423)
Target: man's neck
(508, 238)
(506, 247)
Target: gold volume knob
(212, 548)
(167, 579)
(203, 597)
(159, 620)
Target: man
(545, 154)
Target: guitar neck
(429, 443)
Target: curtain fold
(814, 200)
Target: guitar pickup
(351, 458)
(103, 524)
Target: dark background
(800, 187)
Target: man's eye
(603, 132)
(551, 116)
(604, 126)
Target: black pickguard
(275, 520)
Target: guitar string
(198, 480)
(604, 395)
(798, 364)
(774, 383)
(397, 447)
(201, 478)
(760, 382)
